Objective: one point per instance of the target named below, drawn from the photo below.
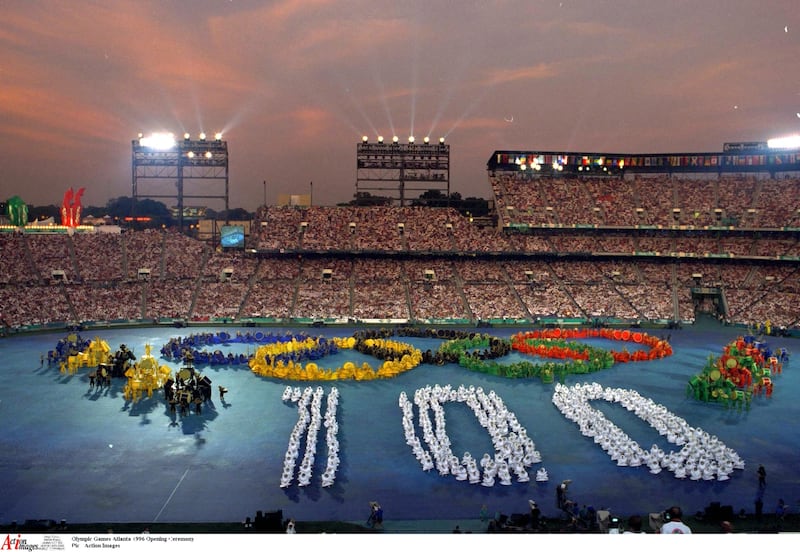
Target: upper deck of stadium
(745, 186)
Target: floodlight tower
(162, 161)
(398, 168)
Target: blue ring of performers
(197, 345)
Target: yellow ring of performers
(406, 358)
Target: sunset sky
(294, 84)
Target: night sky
(295, 84)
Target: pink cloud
(532, 72)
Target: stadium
(696, 251)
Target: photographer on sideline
(675, 526)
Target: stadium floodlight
(218, 136)
(208, 155)
(186, 136)
(427, 139)
(410, 139)
(158, 141)
(365, 139)
(190, 155)
(395, 139)
(202, 135)
(441, 140)
(785, 142)
(380, 139)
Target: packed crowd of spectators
(323, 288)
(734, 195)
(763, 293)
(270, 299)
(51, 253)
(777, 203)
(377, 228)
(182, 255)
(104, 302)
(99, 256)
(489, 301)
(420, 230)
(379, 290)
(417, 288)
(16, 265)
(168, 298)
(29, 304)
(541, 291)
(423, 263)
(143, 251)
(273, 287)
(650, 200)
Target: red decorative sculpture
(71, 208)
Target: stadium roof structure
(735, 158)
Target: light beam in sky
(455, 83)
(376, 78)
(414, 78)
(472, 106)
(345, 89)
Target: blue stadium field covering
(89, 456)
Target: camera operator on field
(674, 524)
